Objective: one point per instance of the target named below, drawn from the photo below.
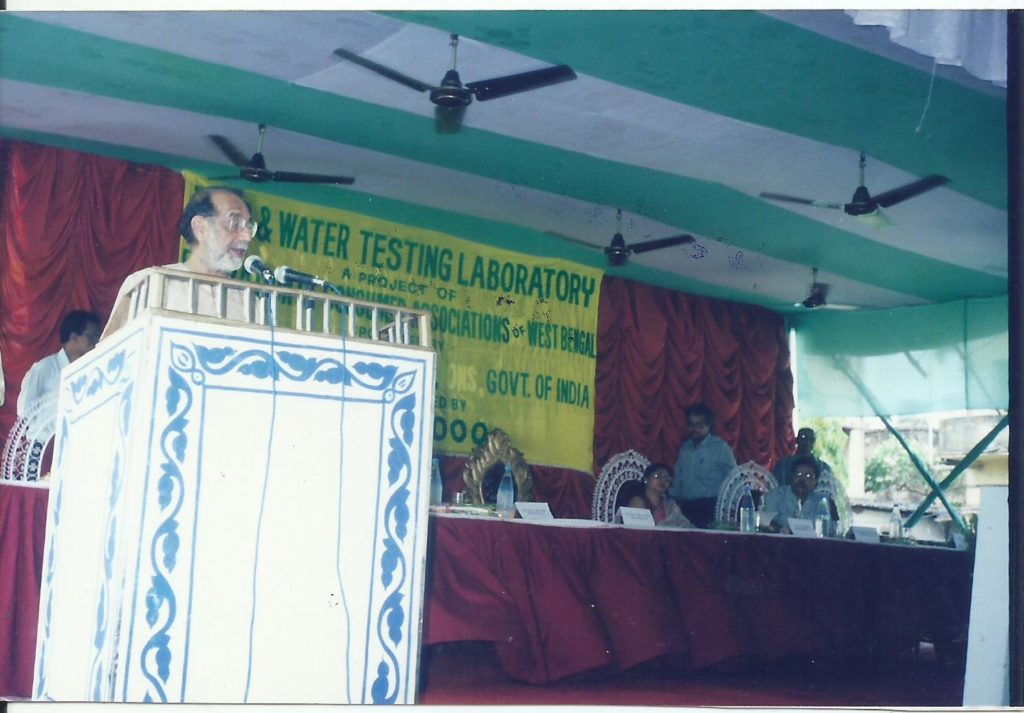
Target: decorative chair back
(618, 471)
(830, 484)
(750, 473)
(23, 453)
(496, 449)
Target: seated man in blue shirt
(801, 498)
(703, 462)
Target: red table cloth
(22, 533)
(561, 600)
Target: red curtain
(660, 351)
(72, 226)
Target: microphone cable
(270, 317)
(343, 330)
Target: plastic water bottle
(436, 486)
(895, 524)
(747, 523)
(505, 503)
(823, 518)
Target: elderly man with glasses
(217, 227)
(800, 498)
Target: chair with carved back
(24, 454)
(486, 464)
(830, 484)
(620, 478)
(751, 474)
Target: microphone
(285, 274)
(254, 266)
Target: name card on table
(636, 517)
(865, 534)
(534, 512)
(801, 527)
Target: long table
(559, 600)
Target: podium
(238, 510)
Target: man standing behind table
(703, 463)
(79, 332)
(805, 439)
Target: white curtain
(972, 39)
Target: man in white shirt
(79, 332)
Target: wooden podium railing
(171, 290)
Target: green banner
(515, 334)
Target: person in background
(800, 498)
(657, 480)
(79, 332)
(805, 439)
(217, 226)
(703, 463)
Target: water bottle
(895, 524)
(505, 503)
(747, 523)
(436, 486)
(823, 518)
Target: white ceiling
(591, 117)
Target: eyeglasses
(236, 223)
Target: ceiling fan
(863, 203)
(817, 296)
(618, 251)
(255, 168)
(451, 97)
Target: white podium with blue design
(238, 511)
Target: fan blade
(898, 195)
(571, 239)
(801, 201)
(292, 177)
(498, 87)
(384, 71)
(649, 245)
(230, 150)
(448, 120)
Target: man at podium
(217, 225)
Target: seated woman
(657, 480)
(801, 498)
